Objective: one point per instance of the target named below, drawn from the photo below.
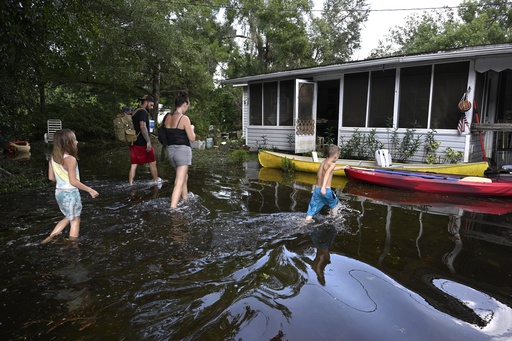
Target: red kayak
(433, 183)
(428, 202)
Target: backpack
(162, 137)
(123, 128)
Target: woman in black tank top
(180, 133)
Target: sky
(380, 22)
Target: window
(255, 97)
(270, 104)
(355, 94)
(306, 101)
(382, 98)
(414, 97)
(264, 100)
(286, 89)
(450, 83)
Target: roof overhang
(497, 57)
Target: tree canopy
(475, 23)
(81, 61)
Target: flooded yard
(238, 262)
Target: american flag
(463, 122)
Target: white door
(305, 116)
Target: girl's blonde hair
(64, 142)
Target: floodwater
(238, 262)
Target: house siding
(486, 62)
(275, 138)
(447, 138)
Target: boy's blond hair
(331, 150)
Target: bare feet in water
(50, 237)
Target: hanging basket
(464, 104)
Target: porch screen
(270, 104)
(306, 101)
(286, 90)
(414, 97)
(450, 83)
(255, 104)
(382, 98)
(355, 94)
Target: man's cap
(126, 109)
(148, 98)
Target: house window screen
(270, 104)
(414, 97)
(355, 96)
(255, 105)
(286, 90)
(382, 98)
(450, 83)
(306, 101)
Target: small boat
(20, 146)
(432, 182)
(306, 164)
(428, 202)
(277, 175)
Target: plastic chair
(383, 157)
(52, 125)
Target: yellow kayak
(306, 164)
(277, 175)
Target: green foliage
(291, 139)
(82, 61)
(287, 165)
(330, 136)
(262, 144)
(372, 144)
(238, 157)
(479, 22)
(274, 33)
(431, 158)
(360, 146)
(354, 147)
(14, 177)
(453, 156)
(431, 146)
(19, 182)
(404, 148)
(336, 34)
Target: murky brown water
(238, 262)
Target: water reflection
(486, 313)
(453, 229)
(239, 262)
(322, 237)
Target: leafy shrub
(238, 157)
(405, 148)
(287, 165)
(453, 156)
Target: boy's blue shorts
(318, 201)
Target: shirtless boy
(322, 194)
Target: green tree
(274, 35)
(80, 61)
(479, 22)
(337, 33)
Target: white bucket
(209, 142)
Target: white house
(292, 110)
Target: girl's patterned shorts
(70, 203)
